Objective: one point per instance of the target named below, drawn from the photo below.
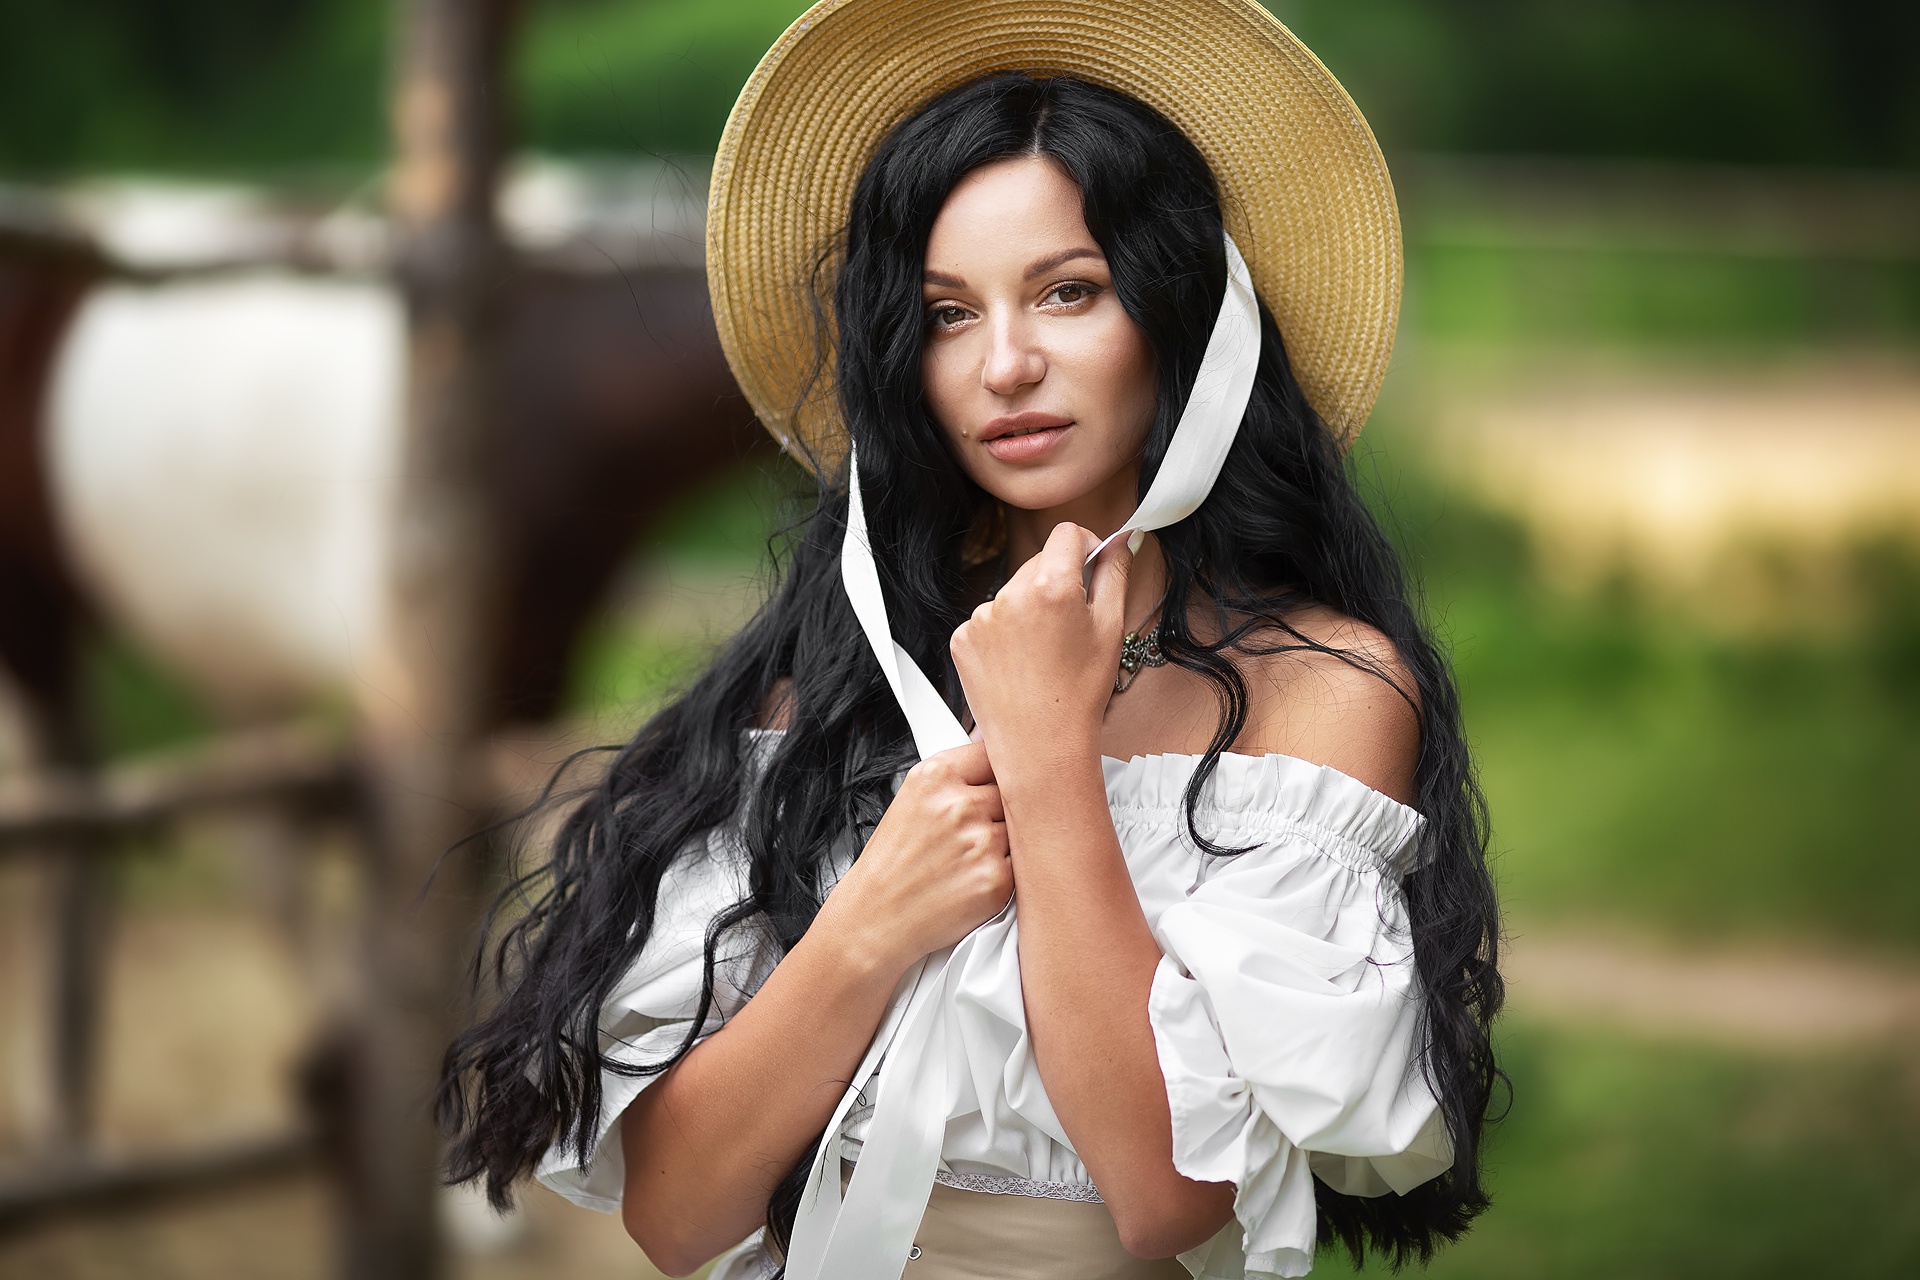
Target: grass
(138, 705)
(1637, 1159)
(1704, 787)
(1509, 294)
(1644, 764)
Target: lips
(1022, 437)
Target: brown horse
(42, 608)
(618, 401)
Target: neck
(1102, 511)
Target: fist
(1038, 660)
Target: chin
(1039, 489)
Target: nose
(1014, 360)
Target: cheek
(1127, 365)
(947, 368)
(940, 381)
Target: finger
(960, 649)
(969, 761)
(1107, 588)
(1069, 543)
(991, 804)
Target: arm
(1038, 667)
(1087, 961)
(709, 1141)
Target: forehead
(1005, 209)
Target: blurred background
(1651, 440)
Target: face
(1041, 382)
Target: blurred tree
(190, 84)
(1833, 82)
(1795, 81)
(232, 83)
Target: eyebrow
(1060, 259)
(1040, 268)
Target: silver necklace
(1138, 649)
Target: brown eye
(946, 317)
(1070, 293)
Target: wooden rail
(77, 821)
(92, 1186)
(300, 767)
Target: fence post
(422, 715)
(80, 918)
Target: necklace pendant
(1138, 649)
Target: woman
(1160, 925)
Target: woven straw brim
(1304, 188)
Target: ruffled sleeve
(651, 1011)
(1286, 1010)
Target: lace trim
(1084, 1192)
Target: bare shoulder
(1354, 708)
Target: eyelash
(1084, 289)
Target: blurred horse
(208, 461)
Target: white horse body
(224, 448)
(224, 456)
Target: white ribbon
(1212, 417)
(934, 726)
(867, 1236)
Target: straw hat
(1305, 190)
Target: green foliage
(1752, 81)
(1643, 767)
(226, 84)
(190, 84)
(1663, 1162)
(622, 674)
(721, 539)
(642, 75)
(1503, 293)
(139, 706)
(736, 520)
(1696, 786)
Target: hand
(1038, 660)
(936, 867)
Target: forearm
(707, 1143)
(1087, 960)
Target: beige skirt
(973, 1235)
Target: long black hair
(1285, 527)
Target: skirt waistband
(1003, 1235)
(989, 1184)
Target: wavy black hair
(1284, 528)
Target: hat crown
(1304, 188)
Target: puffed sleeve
(651, 1011)
(1286, 1016)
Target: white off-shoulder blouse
(1285, 1010)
